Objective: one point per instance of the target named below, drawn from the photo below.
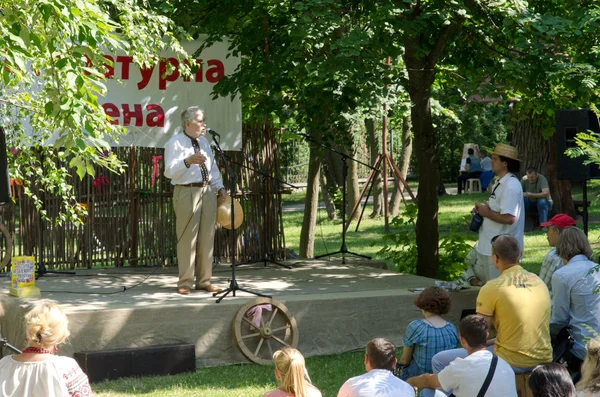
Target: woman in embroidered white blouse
(37, 371)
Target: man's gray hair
(572, 242)
(187, 116)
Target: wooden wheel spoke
(245, 332)
(260, 343)
(279, 340)
(250, 322)
(281, 328)
(273, 316)
(250, 335)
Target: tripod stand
(381, 159)
(233, 285)
(344, 248)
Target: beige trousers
(480, 266)
(195, 212)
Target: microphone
(213, 133)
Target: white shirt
(180, 147)
(465, 376)
(507, 198)
(57, 376)
(376, 383)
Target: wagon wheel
(277, 329)
(6, 245)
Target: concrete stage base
(338, 307)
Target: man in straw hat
(503, 213)
(190, 165)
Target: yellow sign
(22, 281)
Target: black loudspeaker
(5, 195)
(153, 360)
(568, 124)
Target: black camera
(476, 222)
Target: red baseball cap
(560, 220)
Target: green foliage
(401, 247)
(53, 58)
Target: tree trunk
(534, 149)
(327, 199)
(352, 189)
(377, 191)
(405, 154)
(539, 152)
(330, 182)
(421, 77)
(311, 202)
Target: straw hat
(224, 213)
(507, 151)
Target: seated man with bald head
(518, 304)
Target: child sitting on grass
(425, 338)
(292, 376)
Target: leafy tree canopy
(52, 52)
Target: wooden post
(133, 209)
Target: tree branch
(445, 36)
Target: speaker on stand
(568, 124)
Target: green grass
(367, 240)
(327, 372)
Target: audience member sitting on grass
(292, 376)
(553, 262)
(380, 360)
(518, 302)
(589, 384)
(37, 372)
(576, 301)
(465, 377)
(551, 379)
(429, 336)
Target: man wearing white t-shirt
(465, 376)
(380, 359)
(502, 214)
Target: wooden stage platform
(337, 307)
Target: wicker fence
(131, 220)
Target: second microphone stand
(344, 248)
(265, 176)
(233, 285)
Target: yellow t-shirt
(520, 304)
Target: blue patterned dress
(427, 341)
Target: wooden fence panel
(131, 219)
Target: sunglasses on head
(496, 237)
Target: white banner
(149, 102)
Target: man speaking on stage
(190, 165)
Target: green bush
(401, 247)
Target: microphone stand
(4, 343)
(344, 248)
(264, 176)
(233, 285)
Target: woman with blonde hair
(589, 384)
(291, 373)
(37, 371)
